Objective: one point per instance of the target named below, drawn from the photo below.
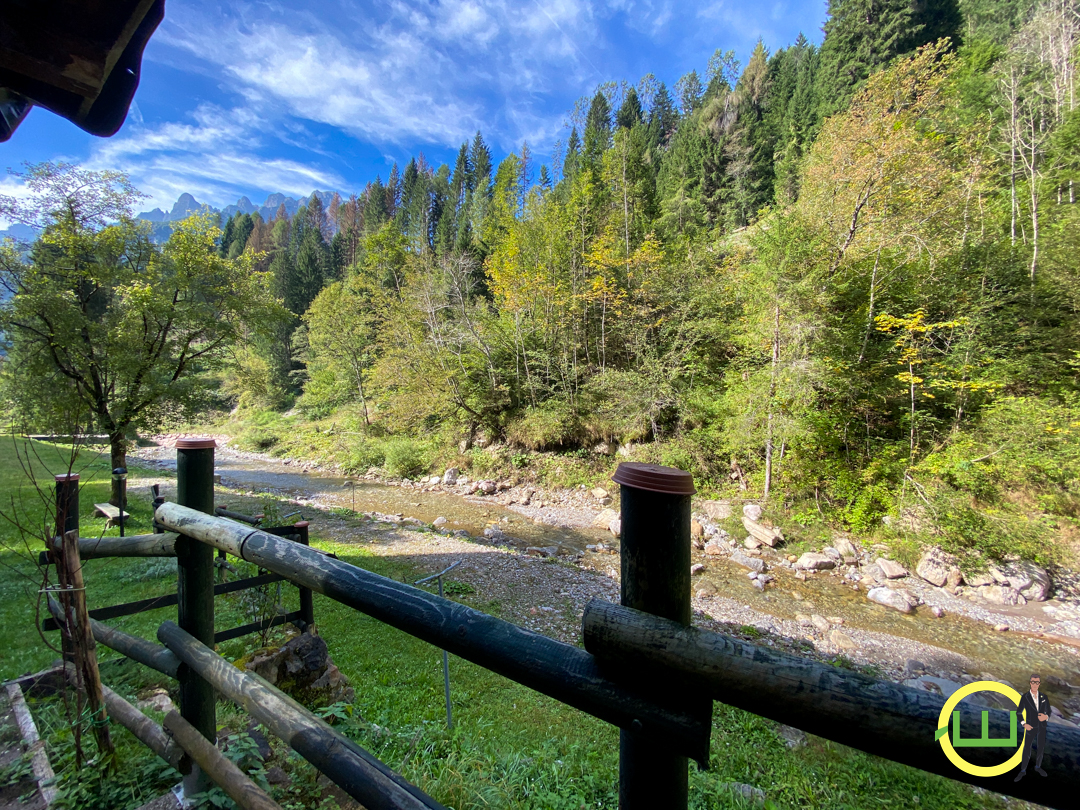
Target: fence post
(655, 566)
(67, 505)
(307, 603)
(195, 613)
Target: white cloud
(401, 73)
(216, 158)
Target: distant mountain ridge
(186, 205)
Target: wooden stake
(82, 638)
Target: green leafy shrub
(547, 427)
(404, 458)
(362, 455)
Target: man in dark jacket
(1035, 708)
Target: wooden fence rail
(644, 670)
(552, 667)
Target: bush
(405, 458)
(549, 426)
(362, 455)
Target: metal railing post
(195, 612)
(307, 602)
(655, 568)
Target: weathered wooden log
(881, 718)
(137, 545)
(556, 669)
(218, 767)
(77, 625)
(252, 520)
(138, 649)
(352, 768)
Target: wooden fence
(643, 669)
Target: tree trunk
(769, 405)
(117, 458)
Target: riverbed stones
(896, 599)
(696, 568)
(846, 550)
(696, 529)
(812, 561)
(892, 570)
(1002, 595)
(752, 511)
(450, 477)
(603, 520)
(841, 640)
(439, 522)
(821, 624)
(615, 526)
(751, 543)
(715, 549)
(717, 510)
(935, 566)
(746, 561)
(767, 535)
(752, 795)
(979, 580)
(1032, 582)
(487, 487)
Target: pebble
(697, 568)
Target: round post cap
(120, 471)
(654, 478)
(195, 444)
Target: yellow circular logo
(943, 729)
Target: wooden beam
(137, 545)
(218, 767)
(556, 669)
(352, 768)
(137, 649)
(879, 717)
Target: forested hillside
(844, 275)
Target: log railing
(643, 668)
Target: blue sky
(256, 97)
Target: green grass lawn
(510, 747)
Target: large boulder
(746, 561)
(892, 570)
(1002, 595)
(603, 520)
(846, 549)
(894, 598)
(1026, 577)
(752, 511)
(303, 668)
(717, 510)
(812, 561)
(451, 476)
(936, 567)
(767, 535)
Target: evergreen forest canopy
(846, 274)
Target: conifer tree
(630, 112)
(663, 117)
(597, 130)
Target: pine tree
(572, 161)
(630, 112)
(597, 130)
(480, 158)
(689, 91)
(663, 118)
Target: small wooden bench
(111, 512)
